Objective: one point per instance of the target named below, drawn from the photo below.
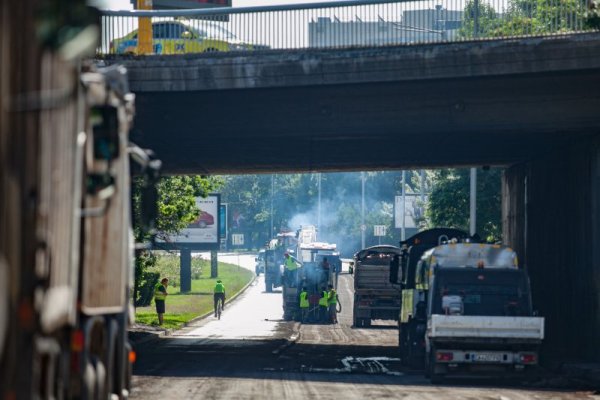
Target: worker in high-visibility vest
(291, 269)
(323, 305)
(304, 304)
(219, 294)
(160, 295)
(332, 300)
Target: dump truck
(66, 238)
(375, 297)
(475, 311)
(311, 275)
(402, 274)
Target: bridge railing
(338, 24)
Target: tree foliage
(449, 201)
(525, 17)
(176, 209)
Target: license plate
(487, 357)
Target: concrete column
(185, 270)
(214, 264)
(550, 216)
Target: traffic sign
(379, 230)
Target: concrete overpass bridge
(528, 104)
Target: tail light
(528, 358)
(77, 346)
(444, 356)
(132, 356)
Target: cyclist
(219, 294)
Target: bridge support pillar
(551, 217)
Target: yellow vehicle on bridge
(177, 37)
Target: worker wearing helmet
(291, 269)
(219, 294)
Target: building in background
(427, 25)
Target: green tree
(524, 17)
(449, 201)
(176, 209)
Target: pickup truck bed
(460, 326)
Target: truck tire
(268, 286)
(3, 302)
(432, 369)
(101, 378)
(367, 322)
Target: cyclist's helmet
(219, 281)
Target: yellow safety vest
(290, 264)
(332, 297)
(159, 294)
(323, 300)
(304, 300)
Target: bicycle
(219, 308)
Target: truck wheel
(268, 286)
(100, 378)
(367, 322)
(89, 382)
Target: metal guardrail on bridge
(339, 24)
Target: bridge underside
(494, 120)
(531, 105)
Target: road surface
(251, 353)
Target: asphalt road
(251, 353)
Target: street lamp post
(362, 210)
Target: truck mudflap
(465, 327)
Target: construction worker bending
(219, 294)
(332, 300)
(304, 305)
(323, 305)
(291, 269)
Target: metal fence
(335, 25)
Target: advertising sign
(237, 239)
(223, 221)
(204, 232)
(379, 230)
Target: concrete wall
(551, 209)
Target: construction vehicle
(402, 273)
(66, 237)
(374, 296)
(283, 242)
(319, 265)
(475, 311)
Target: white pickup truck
(479, 316)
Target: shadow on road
(182, 357)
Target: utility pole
(272, 190)
(473, 203)
(403, 230)
(145, 28)
(319, 204)
(363, 228)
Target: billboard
(202, 234)
(185, 4)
